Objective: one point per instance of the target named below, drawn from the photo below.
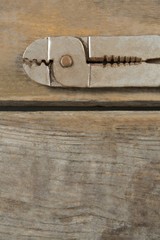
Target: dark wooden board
(80, 175)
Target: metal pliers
(90, 62)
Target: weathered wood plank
(21, 22)
(80, 175)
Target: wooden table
(65, 172)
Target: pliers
(94, 62)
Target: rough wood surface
(80, 175)
(21, 22)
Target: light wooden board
(21, 22)
(80, 175)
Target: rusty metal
(115, 60)
(66, 61)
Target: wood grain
(21, 22)
(80, 175)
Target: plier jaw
(94, 62)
